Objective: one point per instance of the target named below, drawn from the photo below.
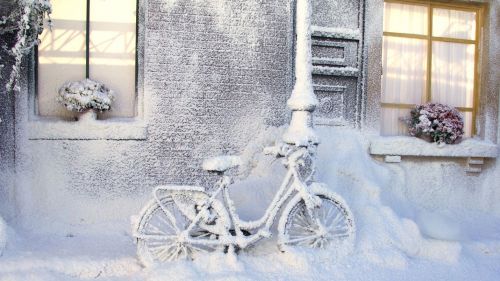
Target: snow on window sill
(114, 129)
(411, 146)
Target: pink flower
(440, 123)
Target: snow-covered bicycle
(182, 221)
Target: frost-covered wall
(7, 143)
(212, 74)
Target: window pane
(404, 70)
(405, 18)
(112, 51)
(61, 54)
(391, 123)
(453, 73)
(454, 24)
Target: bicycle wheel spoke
(302, 227)
(172, 254)
(170, 217)
(156, 230)
(170, 225)
(161, 252)
(328, 214)
(156, 237)
(337, 219)
(302, 219)
(297, 240)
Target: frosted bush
(437, 122)
(24, 23)
(86, 94)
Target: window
(430, 54)
(93, 39)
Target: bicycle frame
(291, 185)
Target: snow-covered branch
(25, 23)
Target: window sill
(115, 129)
(411, 146)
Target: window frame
(138, 60)
(53, 128)
(430, 5)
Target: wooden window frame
(430, 5)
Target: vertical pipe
(87, 41)
(302, 101)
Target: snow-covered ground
(390, 244)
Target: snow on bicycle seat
(221, 163)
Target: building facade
(201, 78)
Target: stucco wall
(7, 143)
(212, 75)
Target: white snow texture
(389, 245)
(3, 235)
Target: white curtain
(405, 62)
(453, 63)
(453, 24)
(405, 18)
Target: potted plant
(436, 122)
(86, 96)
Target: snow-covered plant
(438, 122)
(25, 23)
(86, 94)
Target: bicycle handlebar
(285, 150)
(279, 150)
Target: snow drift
(389, 246)
(383, 236)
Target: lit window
(93, 39)
(429, 55)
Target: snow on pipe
(302, 101)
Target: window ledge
(115, 129)
(411, 146)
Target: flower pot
(88, 116)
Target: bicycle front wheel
(330, 224)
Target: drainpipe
(303, 101)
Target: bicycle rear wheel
(160, 235)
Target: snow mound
(384, 236)
(3, 235)
(389, 246)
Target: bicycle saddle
(221, 163)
